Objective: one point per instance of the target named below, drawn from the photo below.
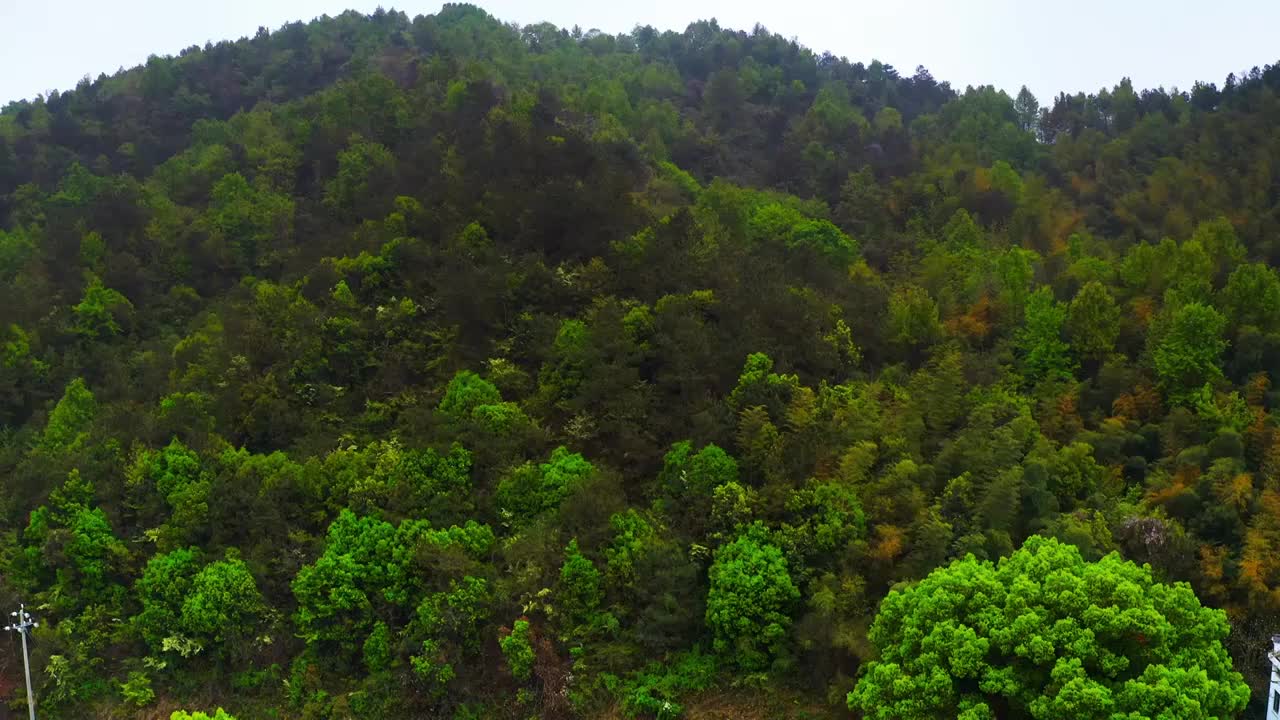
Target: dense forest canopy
(436, 367)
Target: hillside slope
(435, 367)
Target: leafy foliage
(218, 714)
(1046, 634)
(326, 353)
(1188, 355)
(518, 650)
(749, 600)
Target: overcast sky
(1048, 46)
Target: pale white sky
(1050, 47)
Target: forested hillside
(381, 367)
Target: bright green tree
(164, 585)
(580, 585)
(690, 479)
(71, 417)
(690, 474)
(1045, 634)
(517, 648)
(94, 552)
(466, 392)
(634, 536)
(218, 714)
(823, 518)
(1189, 351)
(366, 573)
(377, 648)
(823, 238)
(750, 600)
(530, 489)
(362, 564)
(758, 384)
(187, 608)
(98, 313)
(1042, 352)
(175, 474)
(136, 690)
(224, 602)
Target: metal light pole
(22, 625)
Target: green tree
(188, 608)
(517, 648)
(1028, 109)
(1014, 274)
(750, 600)
(1046, 634)
(362, 564)
(164, 586)
(530, 489)
(823, 518)
(248, 222)
(760, 385)
(1222, 245)
(137, 689)
(824, 239)
(863, 206)
(691, 475)
(1252, 297)
(366, 171)
(1188, 351)
(218, 714)
(95, 556)
(224, 603)
(466, 392)
(99, 312)
(377, 648)
(71, 417)
(1042, 352)
(887, 120)
(690, 479)
(15, 248)
(961, 232)
(371, 570)
(581, 589)
(913, 317)
(176, 475)
(446, 624)
(1093, 321)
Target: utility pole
(22, 625)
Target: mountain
(439, 367)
